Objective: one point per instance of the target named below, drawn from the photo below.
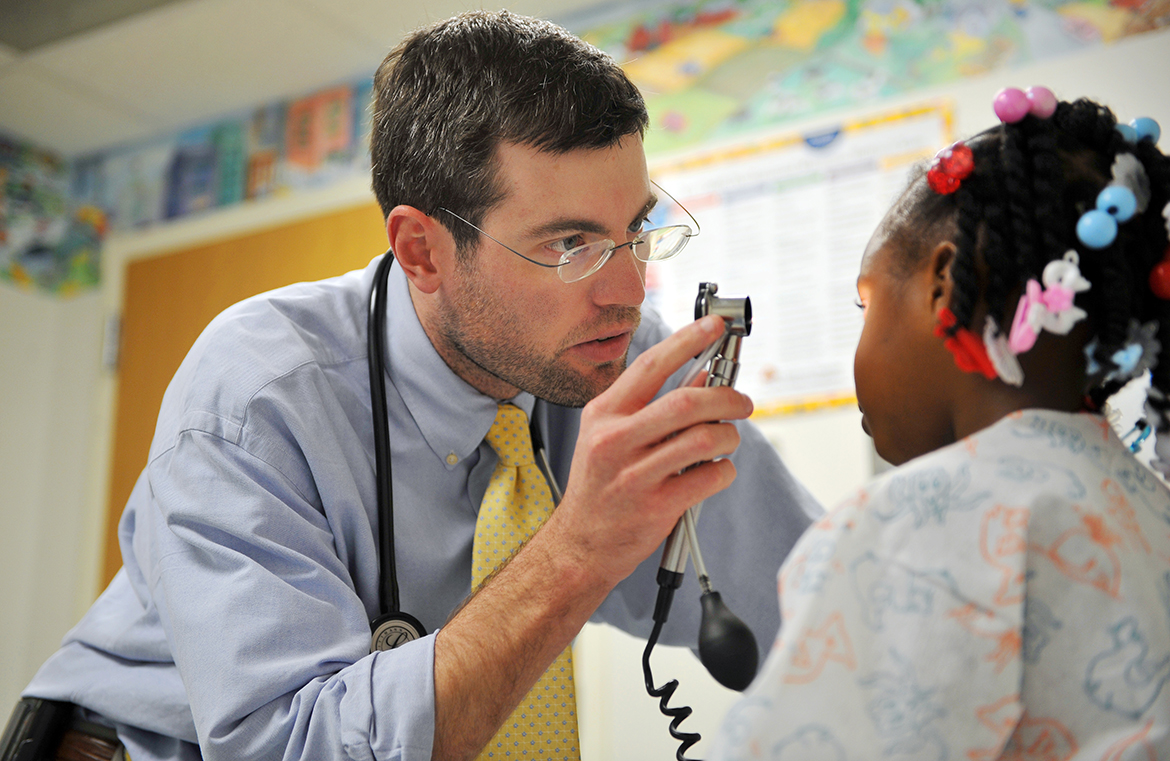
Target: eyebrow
(571, 224)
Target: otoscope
(727, 647)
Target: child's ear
(420, 244)
(941, 259)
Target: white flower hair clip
(1050, 308)
(1003, 359)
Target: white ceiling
(192, 61)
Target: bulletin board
(785, 219)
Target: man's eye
(638, 225)
(568, 244)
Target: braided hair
(1018, 210)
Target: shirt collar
(452, 415)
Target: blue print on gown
(903, 712)
(1039, 625)
(744, 722)
(1025, 471)
(1164, 591)
(928, 495)
(882, 586)
(1124, 678)
(1057, 435)
(1138, 482)
(811, 742)
(814, 567)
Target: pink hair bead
(1043, 102)
(1011, 105)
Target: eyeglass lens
(654, 245)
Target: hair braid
(999, 256)
(1050, 220)
(1114, 297)
(965, 292)
(1019, 210)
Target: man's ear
(420, 244)
(942, 285)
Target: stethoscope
(392, 627)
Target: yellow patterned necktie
(516, 503)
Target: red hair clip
(968, 349)
(950, 167)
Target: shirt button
(452, 459)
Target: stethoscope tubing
(388, 600)
(376, 337)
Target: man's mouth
(609, 337)
(609, 347)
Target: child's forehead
(880, 248)
(870, 256)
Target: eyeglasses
(579, 262)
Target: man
(240, 621)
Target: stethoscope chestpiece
(393, 630)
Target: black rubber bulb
(727, 646)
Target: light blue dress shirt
(240, 618)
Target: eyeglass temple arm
(698, 228)
(490, 237)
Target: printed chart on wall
(785, 220)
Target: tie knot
(510, 438)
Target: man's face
(506, 324)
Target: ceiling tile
(36, 106)
(26, 26)
(7, 55)
(187, 63)
(191, 62)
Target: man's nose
(621, 280)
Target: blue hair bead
(1145, 127)
(1128, 133)
(1096, 229)
(1118, 201)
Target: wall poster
(785, 220)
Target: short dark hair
(450, 93)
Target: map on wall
(48, 241)
(714, 70)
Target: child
(1005, 592)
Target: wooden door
(169, 299)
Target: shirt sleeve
(898, 641)
(254, 590)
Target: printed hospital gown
(1006, 597)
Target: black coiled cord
(664, 693)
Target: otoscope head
(727, 646)
(735, 310)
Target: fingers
(690, 447)
(681, 462)
(685, 407)
(696, 484)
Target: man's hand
(640, 462)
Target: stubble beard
(487, 340)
